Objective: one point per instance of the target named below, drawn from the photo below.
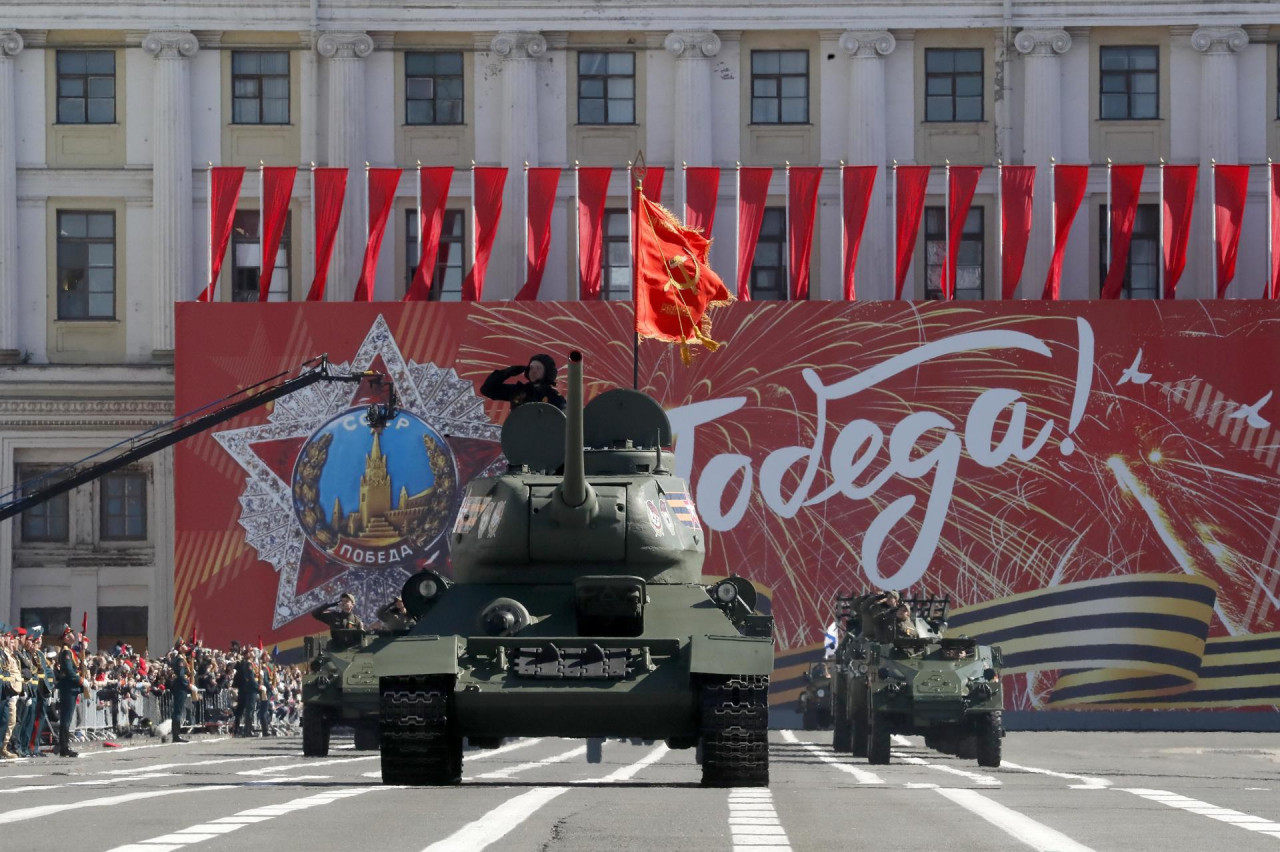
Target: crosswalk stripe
(1019, 826)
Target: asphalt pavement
(1055, 791)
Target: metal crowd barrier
(104, 713)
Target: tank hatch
(533, 437)
(622, 417)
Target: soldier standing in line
(265, 706)
(179, 688)
(247, 685)
(26, 701)
(44, 691)
(70, 685)
(10, 689)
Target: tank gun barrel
(574, 490)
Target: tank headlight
(726, 592)
(822, 693)
(428, 587)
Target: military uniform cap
(348, 596)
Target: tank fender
(729, 655)
(417, 655)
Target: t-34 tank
(578, 608)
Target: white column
(867, 146)
(345, 53)
(172, 231)
(10, 47)
(1041, 140)
(1219, 95)
(520, 53)
(693, 51)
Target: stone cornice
(518, 45)
(35, 38)
(692, 44)
(868, 44)
(332, 45)
(170, 44)
(84, 412)
(1047, 42)
(1219, 39)
(11, 43)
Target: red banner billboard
(1094, 484)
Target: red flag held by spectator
(1179, 191)
(1126, 185)
(802, 206)
(856, 185)
(277, 189)
(753, 193)
(1069, 183)
(963, 182)
(1017, 192)
(382, 194)
(224, 192)
(592, 193)
(329, 188)
(542, 183)
(433, 193)
(911, 184)
(488, 182)
(1230, 190)
(702, 188)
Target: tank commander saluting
(541, 387)
(345, 627)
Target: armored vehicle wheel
(367, 738)
(734, 728)
(595, 749)
(858, 734)
(315, 731)
(965, 747)
(811, 720)
(419, 745)
(990, 728)
(841, 737)
(877, 739)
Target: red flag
(277, 189)
(1017, 192)
(653, 178)
(1273, 204)
(963, 182)
(1126, 185)
(1230, 189)
(330, 187)
(675, 285)
(1179, 190)
(543, 183)
(753, 194)
(488, 182)
(433, 193)
(857, 183)
(224, 192)
(1069, 184)
(382, 194)
(802, 206)
(259, 642)
(702, 188)
(912, 183)
(593, 192)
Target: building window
(1142, 272)
(606, 88)
(86, 265)
(246, 259)
(616, 257)
(1130, 81)
(260, 87)
(446, 280)
(86, 87)
(969, 257)
(127, 624)
(124, 507)
(953, 85)
(52, 620)
(48, 521)
(769, 268)
(779, 87)
(433, 88)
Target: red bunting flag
(802, 208)
(433, 193)
(1017, 194)
(224, 192)
(856, 183)
(540, 199)
(1124, 188)
(910, 185)
(328, 188)
(1178, 199)
(1069, 183)
(277, 189)
(487, 183)
(1273, 234)
(1230, 190)
(591, 188)
(753, 194)
(702, 188)
(962, 182)
(382, 194)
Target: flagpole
(786, 225)
(1213, 226)
(526, 221)
(684, 189)
(417, 199)
(946, 231)
(262, 222)
(1267, 292)
(737, 224)
(1110, 219)
(633, 238)
(893, 223)
(474, 218)
(843, 248)
(1160, 265)
(209, 253)
(577, 229)
(1000, 227)
(1053, 212)
(314, 251)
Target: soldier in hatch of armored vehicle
(879, 613)
(395, 617)
(345, 627)
(541, 387)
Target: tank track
(419, 746)
(734, 731)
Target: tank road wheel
(841, 737)
(858, 734)
(989, 730)
(315, 731)
(419, 744)
(595, 749)
(367, 738)
(877, 738)
(734, 729)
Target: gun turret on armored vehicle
(578, 608)
(896, 673)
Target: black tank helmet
(548, 364)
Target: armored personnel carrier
(329, 678)
(903, 676)
(814, 703)
(578, 608)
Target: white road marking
(122, 749)
(1018, 826)
(497, 823)
(482, 754)
(1087, 782)
(91, 783)
(862, 775)
(522, 767)
(753, 822)
(900, 740)
(106, 801)
(310, 764)
(626, 773)
(209, 830)
(1238, 818)
(194, 763)
(976, 777)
